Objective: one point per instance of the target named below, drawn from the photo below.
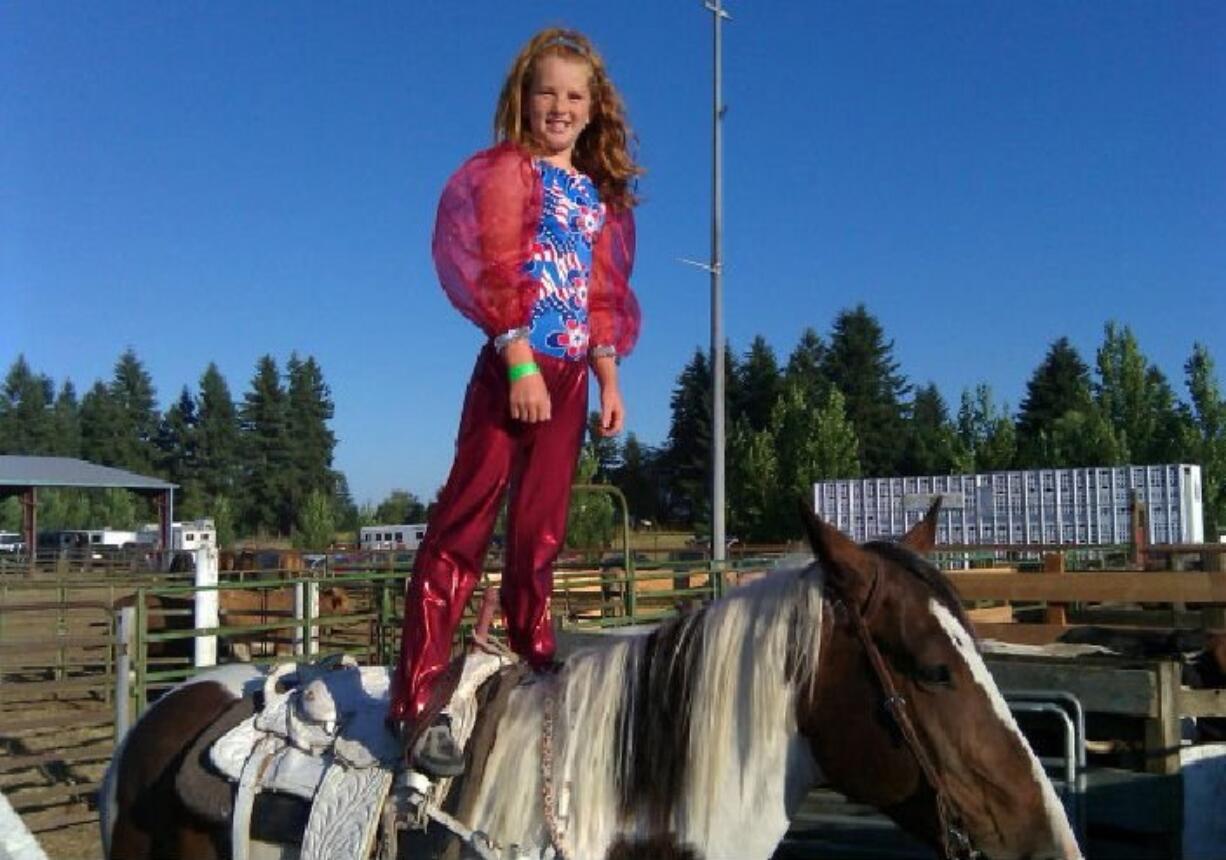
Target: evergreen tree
(135, 401)
(344, 510)
(223, 520)
(932, 446)
(178, 457)
(1206, 417)
(266, 451)
(758, 384)
(638, 477)
(860, 363)
(311, 443)
(102, 427)
(688, 452)
(26, 422)
(805, 367)
(217, 440)
(1061, 384)
(66, 423)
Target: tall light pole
(718, 549)
(715, 268)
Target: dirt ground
(67, 828)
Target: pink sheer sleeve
(613, 310)
(483, 236)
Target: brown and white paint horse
(699, 739)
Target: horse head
(941, 753)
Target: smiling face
(559, 106)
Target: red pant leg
(542, 472)
(448, 563)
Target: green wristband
(519, 371)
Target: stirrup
(436, 752)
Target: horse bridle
(955, 843)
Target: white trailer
(1089, 506)
(406, 536)
(187, 536)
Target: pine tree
(102, 427)
(1061, 384)
(266, 451)
(135, 400)
(217, 441)
(26, 423)
(312, 442)
(758, 384)
(178, 457)
(687, 455)
(860, 363)
(344, 510)
(932, 445)
(638, 477)
(805, 367)
(66, 423)
(1206, 417)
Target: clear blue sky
(215, 181)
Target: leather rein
(955, 843)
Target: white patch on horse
(963, 642)
(747, 766)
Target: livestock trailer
(1087, 506)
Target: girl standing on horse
(534, 242)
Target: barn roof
(22, 471)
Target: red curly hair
(603, 148)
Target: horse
(699, 738)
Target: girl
(534, 242)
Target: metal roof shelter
(23, 475)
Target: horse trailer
(406, 536)
(1088, 506)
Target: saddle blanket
(322, 736)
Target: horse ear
(842, 560)
(923, 535)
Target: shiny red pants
(495, 455)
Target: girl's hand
(612, 407)
(530, 399)
(612, 410)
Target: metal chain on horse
(954, 842)
(548, 796)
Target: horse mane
(723, 677)
(928, 573)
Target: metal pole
(717, 302)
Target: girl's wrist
(520, 369)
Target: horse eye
(936, 674)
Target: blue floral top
(561, 261)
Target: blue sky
(216, 181)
